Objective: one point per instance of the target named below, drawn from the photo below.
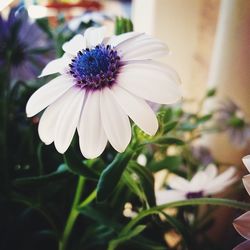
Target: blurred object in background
(229, 70)
(25, 48)
(188, 28)
(80, 12)
(5, 3)
(230, 118)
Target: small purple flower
(231, 118)
(24, 48)
(202, 154)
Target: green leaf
(112, 175)
(129, 25)
(169, 141)
(191, 202)
(123, 25)
(211, 92)
(170, 163)
(123, 238)
(77, 166)
(170, 126)
(38, 181)
(167, 116)
(204, 118)
(146, 180)
(133, 185)
(188, 126)
(99, 216)
(43, 23)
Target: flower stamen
(95, 68)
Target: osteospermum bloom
(102, 82)
(24, 47)
(242, 223)
(205, 182)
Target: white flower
(246, 178)
(203, 183)
(103, 81)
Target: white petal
(222, 181)
(130, 42)
(246, 182)
(167, 196)
(74, 45)
(211, 171)
(68, 119)
(141, 47)
(116, 40)
(178, 183)
(150, 84)
(243, 246)
(94, 36)
(198, 182)
(115, 122)
(47, 94)
(48, 121)
(57, 66)
(150, 64)
(242, 225)
(145, 50)
(246, 161)
(91, 134)
(137, 109)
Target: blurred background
(209, 42)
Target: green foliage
(171, 163)
(61, 174)
(123, 238)
(112, 174)
(123, 25)
(77, 166)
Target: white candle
(230, 69)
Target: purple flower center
(193, 195)
(95, 68)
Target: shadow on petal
(242, 225)
(243, 246)
(246, 182)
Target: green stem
(72, 215)
(75, 212)
(90, 198)
(190, 202)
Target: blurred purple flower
(202, 154)
(231, 118)
(24, 48)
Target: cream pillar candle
(230, 69)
